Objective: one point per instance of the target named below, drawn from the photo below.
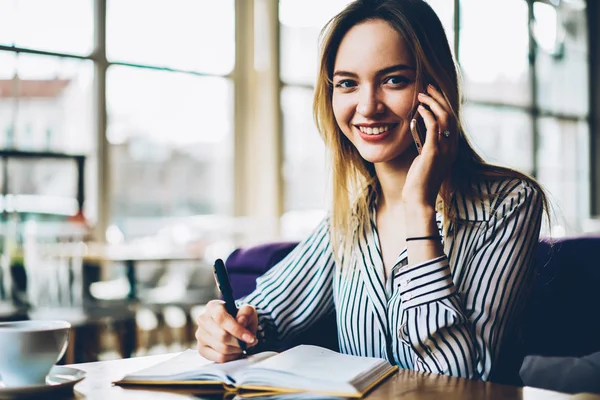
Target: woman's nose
(369, 104)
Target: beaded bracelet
(434, 237)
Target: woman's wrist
(420, 220)
(421, 223)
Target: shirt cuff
(425, 283)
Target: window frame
(244, 77)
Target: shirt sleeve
(459, 332)
(296, 292)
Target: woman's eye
(345, 84)
(396, 80)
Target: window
(60, 26)
(46, 107)
(170, 132)
(502, 135)
(191, 35)
(169, 105)
(561, 73)
(564, 169)
(171, 77)
(171, 144)
(494, 57)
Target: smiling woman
(426, 258)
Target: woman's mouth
(376, 132)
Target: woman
(426, 258)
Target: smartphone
(418, 130)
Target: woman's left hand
(431, 167)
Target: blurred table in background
(134, 255)
(63, 281)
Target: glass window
(301, 23)
(171, 144)
(63, 26)
(564, 169)
(38, 187)
(46, 106)
(304, 164)
(501, 135)
(494, 48)
(197, 35)
(8, 98)
(46, 103)
(562, 58)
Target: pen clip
(222, 277)
(216, 275)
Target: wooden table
(407, 385)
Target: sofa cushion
(563, 315)
(258, 259)
(245, 265)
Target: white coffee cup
(29, 349)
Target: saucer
(59, 380)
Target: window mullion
(457, 29)
(103, 195)
(593, 13)
(533, 86)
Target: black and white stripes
(448, 315)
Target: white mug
(29, 349)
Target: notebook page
(317, 363)
(287, 396)
(190, 365)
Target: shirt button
(407, 297)
(404, 282)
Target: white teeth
(374, 131)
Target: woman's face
(374, 89)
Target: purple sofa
(562, 317)
(245, 265)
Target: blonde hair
(354, 180)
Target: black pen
(224, 285)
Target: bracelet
(434, 237)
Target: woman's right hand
(218, 332)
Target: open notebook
(301, 369)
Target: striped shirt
(448, 315)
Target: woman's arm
(295, 293)
(461, 336)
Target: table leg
(130, 265)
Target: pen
(224, 285)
